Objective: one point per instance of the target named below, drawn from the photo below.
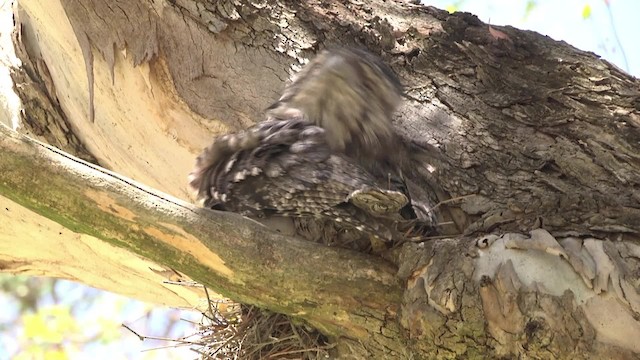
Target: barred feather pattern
(287, 168)
(327, 155)
(351, 94)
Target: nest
(230, 331)
(236, 331)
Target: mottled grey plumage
(287, 168)
(351, 94)
(327, 154)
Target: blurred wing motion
(286, 168)
(351, 94)
(327, 151)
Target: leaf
(531, 4)
(29, 352)
(586, 12)
(110, 330)
(55, 355)
(37, 329)
(49, 325)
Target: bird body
(286, 168)
(324, 153)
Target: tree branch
(239, 258)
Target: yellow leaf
(61, 319)
(55, 355)
(110, 330)
(37, 329)
(586, 11)
(29, 353)
(49, 325)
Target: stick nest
(235, 331)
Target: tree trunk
(530, 145)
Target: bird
(325, 155)
(287, 168)
(351, 94)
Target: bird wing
(284, 167)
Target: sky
(608, 28)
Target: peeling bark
(468, 296)
(530, 145)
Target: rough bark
(536, 142)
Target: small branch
(179, 341)
(142, 338)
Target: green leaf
(586, 12)
(531, 4)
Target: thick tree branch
(239, 258)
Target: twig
(615, 35)
(316, 349)
(134, 333)
(143, 337)
(206, 292)
(443, 202)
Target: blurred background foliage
(43, 318)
